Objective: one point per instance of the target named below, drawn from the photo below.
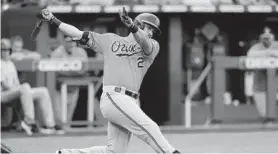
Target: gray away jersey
(125, 63)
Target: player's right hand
(46, 15)
(127, 21)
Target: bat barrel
(36, 30)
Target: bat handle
(39, 24)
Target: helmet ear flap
(139, 24)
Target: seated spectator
(256, 2)
(244, 2)
(172, 2)
(151, 2)
(162, 2)
(265, 2)
(92, 2)
(197, 2)
(218, 2)
(12, 90)
(44, 3)
(126, 2)
(67, 50)
(18, 53)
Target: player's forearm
(67, 29)
(70, 30)
(142, 39)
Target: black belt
(127, 92)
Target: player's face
(5, 54)
(149, 30)
(17, 46)
(266, 42)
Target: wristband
(133, 28)
(55, 21)
(85, 38)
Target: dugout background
(155, 93)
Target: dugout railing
(48, 67)
(176, 20)
(218, 66)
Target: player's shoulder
(7, 66)
(10, 63)
(256, 45)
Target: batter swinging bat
(36, 30)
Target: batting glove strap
(55, 21)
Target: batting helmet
(150, 19)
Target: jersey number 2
(140, 62)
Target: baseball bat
(36, 30)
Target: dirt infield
(212, 142)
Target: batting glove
(127, 21)
(46, 15)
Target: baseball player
(126, 61)
(267, 47)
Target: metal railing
(192, 92)
(93, 84)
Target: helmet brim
(158, 31)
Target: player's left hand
(127, 21)
(46, 15)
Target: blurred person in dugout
(12, 91)
(256, 79)
(248, 81)
(68, 50)
(19, 53)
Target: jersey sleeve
(154, 50)
(98, 41)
